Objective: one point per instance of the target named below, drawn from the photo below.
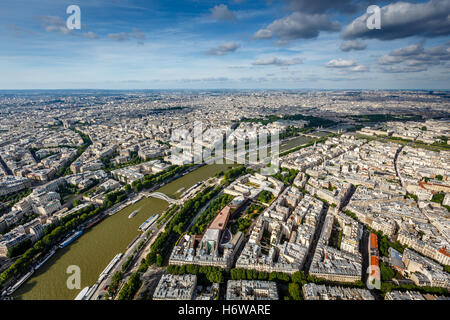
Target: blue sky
(241, 44)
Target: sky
(235, 44)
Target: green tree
(159, 260)
(295, 291)
(298, 276)
(387, 274)
(438, 197)
(263, 275)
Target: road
(364, 247)
(395, 164)
(5, 167)
(317, 232)
(203, 209)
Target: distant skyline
(236, 44)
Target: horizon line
(234, 89)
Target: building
(412, 295)
(11, 184)
(175, 287)
(313, 291)
(374, 261)
(12, 239)
(251, 290)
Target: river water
(97, 247)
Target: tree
(18, 249)
(178, 228)
(159, 260)
(138, 186)
(171, 269)
(215, 276)
(151, 257)
(263, 275)
(130, 288)
(298, 276)
(295, 291)
(438, 197)
(265, 196)
(192, 269)
(386, 272)
(447, 268)
(282, 277)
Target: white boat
(72, 238)
(82, 293)
(90, 292)
(137, 199)
(20, 282)
(181, 189)
(45, 259)
(190, 189)
(135, 212)
(109, 267)
(147, 223)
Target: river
(95, 249)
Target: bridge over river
(162, 196)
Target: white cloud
(121, 36)
(385, 60)
(403, 19)
(55, 24)
(352, 45)
(414, 58)
(222, 13)
(124, 36)
(360, 68)
(321, 6)
(278, 62)
(263, 34)
(341, 63)
(90, 35)
(223, 49)
(298, 26)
